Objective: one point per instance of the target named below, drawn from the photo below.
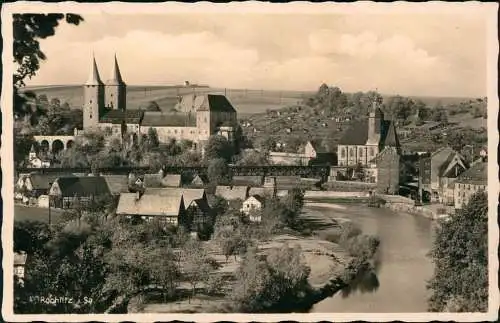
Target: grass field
(245, 101)
(467, 120)
(28, 213)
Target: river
(403, 268)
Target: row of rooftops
(82, 184)
(476, 175)
(185, 117)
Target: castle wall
(179, 133)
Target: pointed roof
(116, 76)
(391, 137)
(32, 150)
(94, 78)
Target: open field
(29, 213)
(467, 120)
(245, 101)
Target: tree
(278, 283)
(219, 147)
(218, 172)
(28, 30)
(196, 266)
(229, 236)
(31, 236)
(460, 255)
(295, 200)
(254, 158)
(153, 141)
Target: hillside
(245, 101)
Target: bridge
(54, 143)
(321, 172)
(273, 170)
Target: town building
(251, 205)
(387, 171)
(20, 265)
(473, 180)
(318, 154)
(231, 193)
(366, 138)
(438, 172)
(67, 192)
(199, 180)
(34, 188)
(168, 209)
(117, 184)
(36, 162)
(196, 116)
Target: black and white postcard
(249, 161)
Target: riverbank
(331, 199)
(332, 268)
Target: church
(365, 139)
(196, 116)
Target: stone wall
(350, 186)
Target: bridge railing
(272, 170)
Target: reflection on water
(365, 282)
(401, 269)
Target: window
(360, 152)
(342, 152)
(351, 152)
(205, 119)
(90, 101)
(372, 151)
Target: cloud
(246, 52)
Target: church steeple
(94, 78)
(93, 97)
(116, 76)
(116, 90)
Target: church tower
(375, 125)
(116, 90)
(93, 96)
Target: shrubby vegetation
(460, 256)
(274, 283)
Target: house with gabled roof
(117, 184)
(439, 170)
(471, 181)
(318, 153)
(65, 192)
(232, 193)
(199, 180)
(366, 138)
(253, 204)
(168, 209)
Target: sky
(409, 54)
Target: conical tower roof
(94, 78)
(116, 76)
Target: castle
(195, 117)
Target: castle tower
(93, 95)
(374, 125)
(116, 90)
